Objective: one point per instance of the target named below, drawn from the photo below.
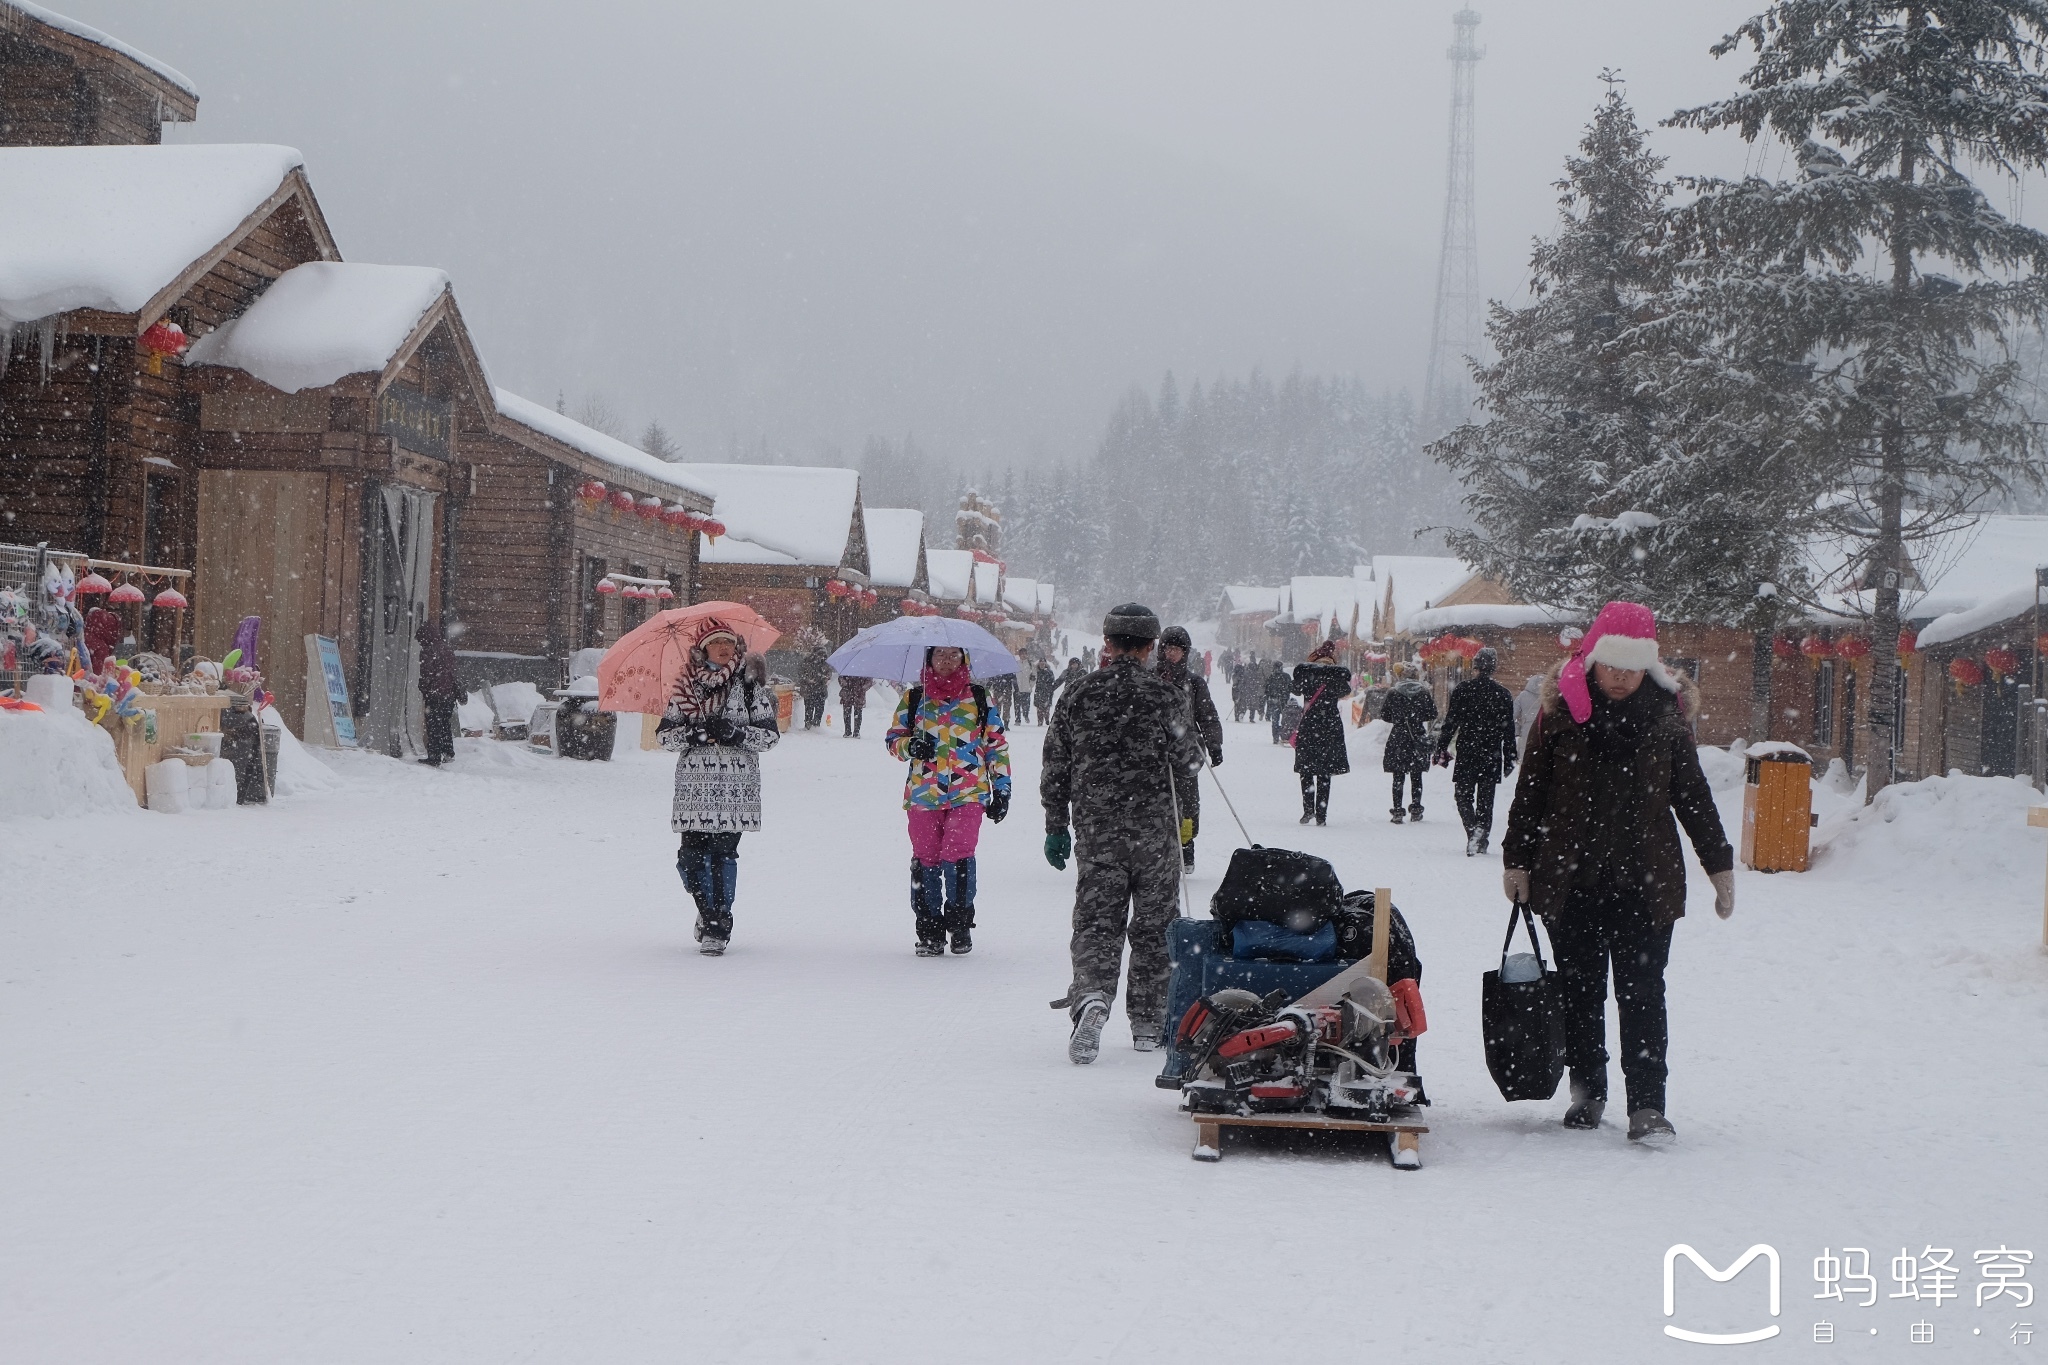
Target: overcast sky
(979, 223)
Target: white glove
(1724, 893)
(1515, 881)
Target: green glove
(1059, 846)
(1187, 831)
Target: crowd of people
(1609, 772)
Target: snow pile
(516, 701)
(323, 320)
(65, 24)
(895, 536)
(780, 514)
(1726, 768)
(298, 773)
(593, 443)
(474, 715)
(1947, 833)
(57, 765)
(108, 227)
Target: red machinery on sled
(1295, 1006)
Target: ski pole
(1231, 808)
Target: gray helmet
(1485, 661)
(1177, 636)
(1133, 620)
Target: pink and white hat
(1623, 635)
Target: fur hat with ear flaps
(1623, 635)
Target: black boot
(927, 900)
(960, 905)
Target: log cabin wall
(60, 90)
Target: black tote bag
(1523, 1026)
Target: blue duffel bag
(1257, 941)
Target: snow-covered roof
(1432, 620)
(780, 514)
(109, 227)
(1045, 598)
(950, 572)
(595, 444)
(895, 535)
(323, 320)
(1242, 600)
(987, 580)
(1333, 601)
(1418, 581)
(1021, 593)
(1979, 575)
(65, 24)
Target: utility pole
(1454, 333)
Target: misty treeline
(1236, 481)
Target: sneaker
(710, 941)
(963, 943)
(1086, 1042)
(1586, 1108)
(1146, 1042)
(1650, 1127)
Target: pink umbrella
(639, 674)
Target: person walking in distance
(813, 676)
(1610, 773)
(1480, 722)
(439, 691)
(1319, 751)
(853, 703)
(1043, 682)
(1118, 741)
(1174, 644)
(720, 720)
(1277, 688)
(1409, 708)
(951, 734)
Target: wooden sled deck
(1407, 1137)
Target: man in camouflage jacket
(1116, 741)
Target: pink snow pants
(945, 835)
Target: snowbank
(298, 772)
(324, 320)
(107, 227)
(56, 765)
(516, 701)
(1946, 833)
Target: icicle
(46, 344)
(6, 344)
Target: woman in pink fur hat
(1592, 843)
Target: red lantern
(1966, 672)
(1782, 648)
(712, 528)
(125, 594)
(649, 508)
(163, 338)
(1909, 643)
(908, 607)
(1816, 649)
(590, 491)
(621, 500)
(1852, 647)
(665, 593)
(606, 588)
(2041, 647)
(2002, 661)
(93, 585)
(170, 599)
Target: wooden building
(795, 531)
(66, 84)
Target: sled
(1405, 1140)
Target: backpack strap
(915, 697)
(980, 706)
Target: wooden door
(263, 552)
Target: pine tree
(1910, 419)
(657, 442)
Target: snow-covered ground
(424, 1068)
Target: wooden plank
(1318, 1122)
(1382, 929)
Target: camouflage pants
(1128, 887)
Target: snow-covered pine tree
(1888, 108)
(657, 442)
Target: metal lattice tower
(1454, 332)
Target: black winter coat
(1481, 719)
(1277, 685)
(1409, 708)
(1319, 738)
(1201, 706)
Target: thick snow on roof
(66, 24)
(1243, 600)
(895, 535)
(595, 444)
(987, 579)
(1982, 575)
(950, 572)
(780, 514)
(107, 227)
(1418, 580)
(323, 320)
(1021, 593)
(1326, 599)
(1432, 620)
(1045, 597)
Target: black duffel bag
(1298, 891)
(1523, 1022)
(1354, 937)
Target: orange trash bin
(1777, 810)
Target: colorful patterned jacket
(973, 760)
